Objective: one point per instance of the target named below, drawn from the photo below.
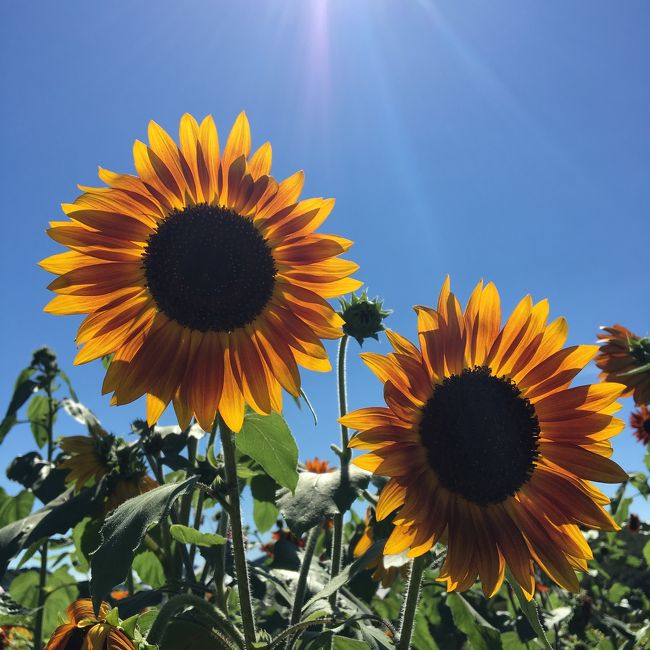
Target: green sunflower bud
(363, 317)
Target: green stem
(220, 562)
(411, 602)
(299, 598)
(238, 544)
(42, 576)
(199, 505)
(337, 539)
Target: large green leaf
(16, 507)
(319, 496)
(481, 635)
(268, 440)
(122, 534)
(23, 389)
(58, 516)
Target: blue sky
(505, 140)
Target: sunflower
(487, 447)
(202, 275)
(89, 458)
(640, 422)
(625, 357)
(318, 466)
(87, 631)
(100, 455)
(384, 575)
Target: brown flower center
(209, 268)
(481, 435)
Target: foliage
(164, 558)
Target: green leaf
(38, 415)
(123, 531)
(58, 516)
(61, 590)
(529, 610)
(265, 512)
(24, 588)
(319, 496)
(150, 569)
(23, 389)
(187, 535)
(481, 635)
(16, 507)
(646, 553)
(268, 440)
(351, 570)
(343, 643)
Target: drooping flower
(624, 357)
(488, 447)
(202, 276)
(87, 631)
(91, 458)
(318, 466)
(640, 423)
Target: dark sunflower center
(209, 268)
(646, 426)
(480, 435)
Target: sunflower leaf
(57, 516)
(268, 440)
(480, 633)
(188, 535)
(123, 532)
(529, 610)
(319, 496)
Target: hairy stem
(301, 587)
(337, 540)
(42, 575)
(411, 603)
(239, 547)
(201, 499)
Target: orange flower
(382, 574)
(318, 466)
(87, 631)
(489, 448)
(625, 358)
(202, 275)
(640, 422)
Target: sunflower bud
(363, 317)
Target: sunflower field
(475, 500)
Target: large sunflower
(488, 448)
(202, 274)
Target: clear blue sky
(503, 140)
